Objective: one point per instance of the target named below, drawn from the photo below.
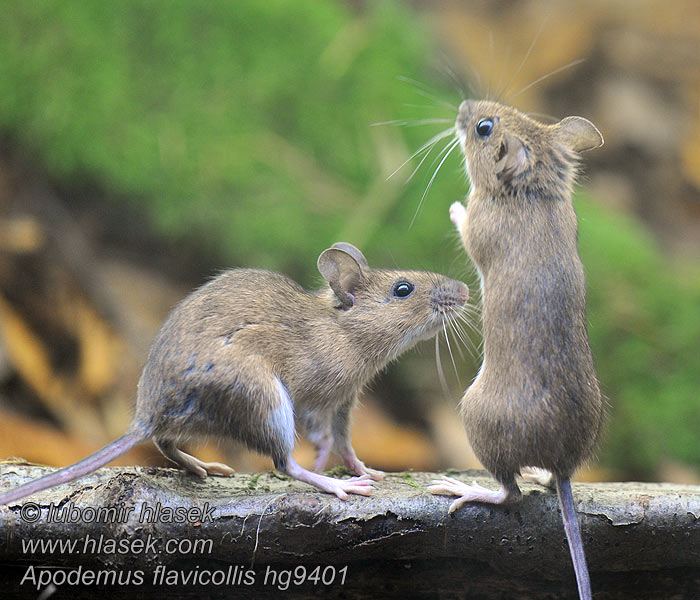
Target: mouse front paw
(457, 214)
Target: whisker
(430, 106)
(438, 364)
(458, 334)
(449, 348)
(524, 60)
(451, 147)
(501, 71)
(471, 327)
(416, 123)
(421, 90)
(418, 166)
(573, 63)
(455, 79)
(492, 60)
(467, 342)
(429, 144)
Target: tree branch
(642, 540)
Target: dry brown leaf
(30, 357)
(98, 350)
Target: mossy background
(247, 132)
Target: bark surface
(642, 540)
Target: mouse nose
(462, 293)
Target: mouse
(535, 407)
(253, 356)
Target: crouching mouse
(252, 356)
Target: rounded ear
(352, 251)
(578, 134)
(512, 157)
(343, 272)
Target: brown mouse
(536, 401)
(253, 356)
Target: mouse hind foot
(191, 463)
(539, 476)
(448, 486)
(339, 487)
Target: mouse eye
(403, 289)
(484, 128)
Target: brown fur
(252, 356)
(536, 401)
(224, 344)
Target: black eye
(484, 127)
(403, 289)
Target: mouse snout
(462, 293)
(449, 296)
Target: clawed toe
(355, 485)
(215, 468)
(447, 486)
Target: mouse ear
(352, 251)
(578, 134)
(512, 157)
(342, 271)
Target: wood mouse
(253, 356)
(536, 400)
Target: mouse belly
(511, 426)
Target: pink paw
(457, 214)
(355, 485)
(448, 486)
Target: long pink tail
(76, 471)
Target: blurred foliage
(245, 124)
(245, 128)
(644, 316)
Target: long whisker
(438, 364)
(491, 63)
(455, 79)
(421, 90)
(459, 334)
(415, 123)
(469, 343)
(466, 341)
(427, 146)
(524, 60)
(573, 63)
(451, 147)
(449, 348)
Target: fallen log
(153, 532)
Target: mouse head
(389, 310)
(507, 150)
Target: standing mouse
(251, 355)
(536, 401)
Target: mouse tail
(76, 471)
(573, 535)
